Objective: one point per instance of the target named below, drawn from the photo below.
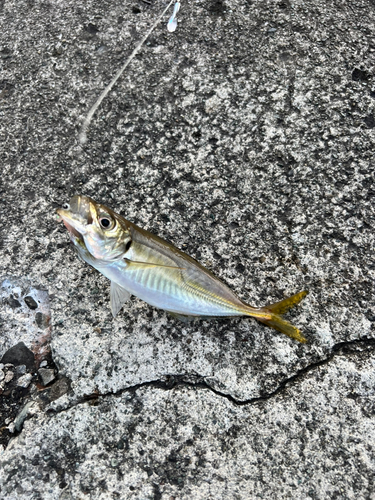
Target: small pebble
(19, 354)
(21, 417)
(43, 364)
(42, 320)
(46, 375)
(59, 388)
(30, 302)
(14, 303)
(8, 377)
(2, 375)
(21, 369)
(25, 380)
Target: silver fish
(139, 263)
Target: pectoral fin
(118, 297)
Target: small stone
(21, 417)
(30, 302)
(19, 355)
(14, 303)
(42, 320)
(43, 364)
(46, 375)
(21, 369)
(25, 380)
(59, 388)
(2, 375)
(8, 377)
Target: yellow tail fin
(280, 324)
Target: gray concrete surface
(246, 138)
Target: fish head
(96, 227)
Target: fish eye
(106, 222)
(66, 206)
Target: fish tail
(274, 319)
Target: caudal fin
(276, 321)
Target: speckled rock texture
(246, 138)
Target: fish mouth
(72, 230)
(77, 215)
(75, 226)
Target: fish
(140, 263)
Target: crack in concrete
(353, 347)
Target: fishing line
(172, 24)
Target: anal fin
(183, 317)
(189, 318)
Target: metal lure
(172, 23)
